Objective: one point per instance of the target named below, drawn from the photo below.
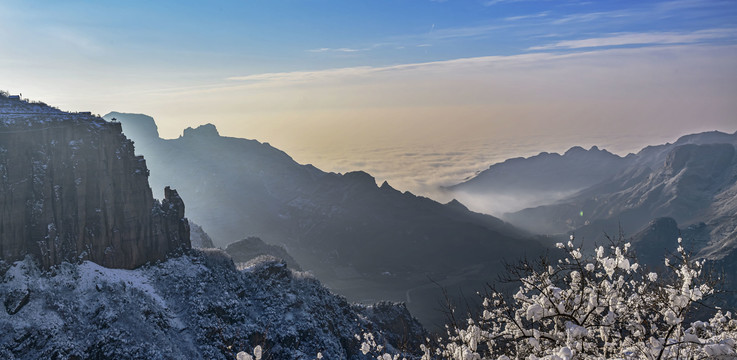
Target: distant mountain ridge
(364, 241)
(692, 181)
(518, 183)
(687, 189)
(577, 168)
(549, 177)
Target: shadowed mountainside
(365, 241)
(522, 182)
(691, 181)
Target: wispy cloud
(75, 39)
(428, 38)
(339, 50)
(530, 16)
(677, 42)
(690, 4)
(591, 16)
(652, 38)
(464, 32)
(497, 2)
(362, 71)
(303, 76)
(645, 10)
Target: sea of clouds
(424, 169)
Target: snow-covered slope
(196, 306)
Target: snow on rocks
(196, 306)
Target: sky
(418, 92)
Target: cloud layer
(656, 38)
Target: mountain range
(373, 242)
(692, 181)
(687, 189)
(518, 183)
(364, 241)
(93, 267)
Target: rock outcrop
(252, 247)
(199, 238)
(195, 306)
(71, 188)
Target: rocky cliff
(71, 188)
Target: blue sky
(247, 37)
(332, 81)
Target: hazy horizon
(423, 168)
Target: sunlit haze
(419, 93)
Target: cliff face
(72, 189)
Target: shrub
(602, 306)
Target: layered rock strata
(71, 188)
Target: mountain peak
(455, 204)
(206, 130)
(707, 137)
(361, 177)
(575, 150)
(385, 186)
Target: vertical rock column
(74, 190)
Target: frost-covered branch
(598, 307)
